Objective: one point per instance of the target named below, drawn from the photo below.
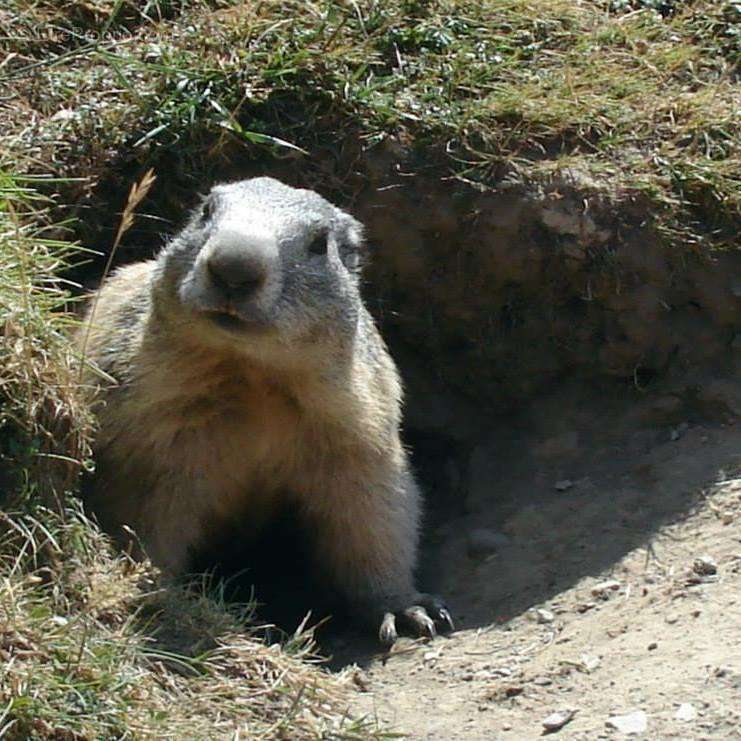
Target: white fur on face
(259, 245)
(305, 294)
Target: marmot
(248, 373)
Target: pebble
(629, 724)
(705, 566)
(686, 712)
(589, 662)
(604, 588)
(563, 485)
(543, 616)
(556, 721)
(585, 606)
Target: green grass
(497, 88)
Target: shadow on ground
(521, 504)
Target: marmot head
(261, 264)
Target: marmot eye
(318, 245)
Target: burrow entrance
(555, 353)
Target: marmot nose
(236, 273)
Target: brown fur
(195, 431)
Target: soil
(574, 579)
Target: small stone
(686, 712)
(672, 618)
(543, 616)
(430, 655)
(589, 662)
(629, 724)
(543, 681)
(556, 721)
(705, 566)
(653, 646)
(563, 485)
(674, 435)
(603, 589)
(361, 680)
(585, 606)
(484, 542)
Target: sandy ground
(577, 587)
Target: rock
(563, 485)
(630, 724)
(585, 606)
(705, 566)
(589, 662)
(604, 588)
(686, 712)
(361, 680)
(484, 542)
(542, 616)
(556, 721)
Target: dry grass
(44, 420)
(92, 646)
(85, 649)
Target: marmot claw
(428, 615)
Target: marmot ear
(350, 241)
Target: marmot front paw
(425, 615)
